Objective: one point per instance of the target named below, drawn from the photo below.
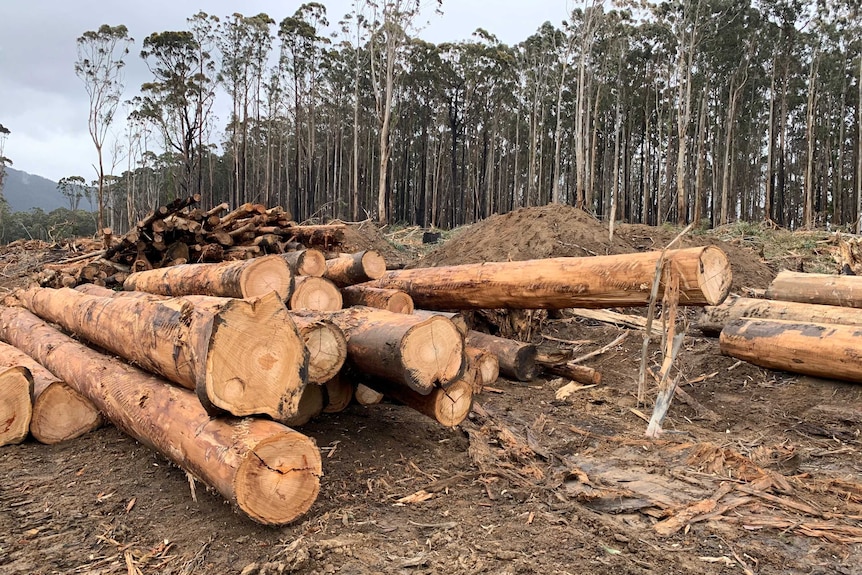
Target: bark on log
(350, 269)
(573, 371)
(714, 318)
(825, 289)
(517, 360)
(243, 357)
(405, 349)
(306, 262)
(16, 408)
(339, 393)
(238, 279)
(59, 412)
(485, 363)
(310, 406)
(316, 294)
(821, 350)
(327, 347)
(590, 282)
(271, 472)
(449, 406)
(392, 300)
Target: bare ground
(758, 473)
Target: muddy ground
(758, 472)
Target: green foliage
(53, 226)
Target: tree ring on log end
(432, 353)
(279, 478)
(16, 388)
(60, 413)
(455, 403)
(265, 275)
(714, 275)
(374, 264)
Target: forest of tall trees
(705, 111)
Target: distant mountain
(25, 191)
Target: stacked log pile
(809, 324)
(269, 337)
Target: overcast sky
(44, 105)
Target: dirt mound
(528, 233)
(367, 236)
(749, 269)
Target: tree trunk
(715, 318)
(573, 371)
(311, 405)
(16, 408)
(392, 300)
(404, 349)
(59, 412)
(313, 293)
(808, 205)
(449, 406)
(821, 350)
(339, 394)
(555, 283)
(306, 262)
(457, 318)
(824, 289)
(269, 471)
(238, 279)
(516, 360)
(355, 268)
(243, 357)
(327, 347)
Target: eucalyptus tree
(100, 65)
(174, 99)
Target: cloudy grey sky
(45, 106)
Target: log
(339, 393)
(350, 269)
(327, 347)
(269, 471)
(825, 289)
(241, 356)
(313, 293)
(239, 279)
(455, 317)
(306, 262)
(364, 395)
(556, 283)
(517, 360)
(59, 412)
(714, 318)
(573, 371)
(449, 406)
(392, 300)
(405, 349)
(485, 364)
(321, 235)
(311, 405)
(821, 350)
(16, 409)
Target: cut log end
(374, 264)
(366, 396)
(262, 374)
(279, 479)
(327, 348)
(265, 275)
(60, 413)
(432, 354)
(310, 406)
(16, 388)
(453, 403)
(339, 393)
(714, 275)
(317, 294)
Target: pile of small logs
(269, 340)
(808, 323)
(179, 233)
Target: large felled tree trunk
(16, 388)
(714, 318)
(243, 357)
(392, 300)
(269, 471)
(556, 283)
(59, 413)
(306, 262)
(823, 289)
(314, 293)
(405, 349)
(239, 279)
(821, 350)
(448, 406)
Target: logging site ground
(758, 471)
